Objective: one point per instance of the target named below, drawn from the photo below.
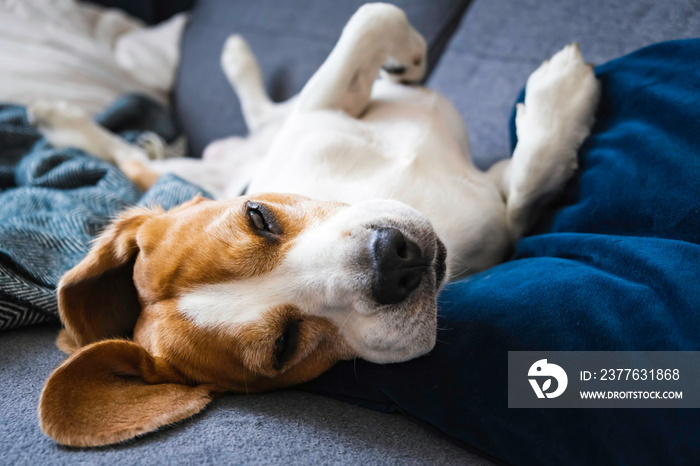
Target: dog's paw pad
(412, 65)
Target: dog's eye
(262, 219)
(257, 218)
(286, 344)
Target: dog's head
(244, 295)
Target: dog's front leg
(561, 97)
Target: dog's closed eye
(257, 218)
(262, 219)
(286, 344)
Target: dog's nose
(397, 265)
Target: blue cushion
(290, 39)
(615, 266)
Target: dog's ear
(114, 390)
(97, 298)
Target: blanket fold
(53, 202)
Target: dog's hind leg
(243, 73)
(66, 125)
(377, 36)
(561, 97)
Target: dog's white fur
(350, 137)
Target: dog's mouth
(440, 263)
(396, 264)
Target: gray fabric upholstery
(276, 428)
(290, 39)
(500, 42)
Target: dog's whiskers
(245, 380)
(344, 322)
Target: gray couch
(481, 55)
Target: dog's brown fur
(111, 389)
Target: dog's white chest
(330, 155)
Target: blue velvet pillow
(615, 266)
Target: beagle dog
(270, 289)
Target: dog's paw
(54, 114)
(561, 97)
(61, 123)
(386, 27)
(236, 58)
(409, 63)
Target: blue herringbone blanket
(54, 201)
